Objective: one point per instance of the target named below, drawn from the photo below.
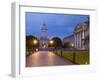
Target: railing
(74, 55)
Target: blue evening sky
(60, 25)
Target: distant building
(69, 39)
(43, 42)
(81, 35)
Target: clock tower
(43, 39)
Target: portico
(81, 31)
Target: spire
(44, 24)
(44, 28)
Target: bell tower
(44, 30)
(44, 39)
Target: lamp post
(35, 42)
(51, 42)
(74, 55)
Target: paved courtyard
(45, 58)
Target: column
(75, 39)
(80, 40)
(83, 39)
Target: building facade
(81, 36)
(69, 39)
(43, 41)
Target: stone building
(43, 41)
(81, 36)
(69, 39)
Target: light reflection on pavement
(45, 58)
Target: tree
(56, 42)
(86, 41)
(87, 38)
(67, 45)
(30, 41)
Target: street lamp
(73, 49)
(72, 45)
(51, 41)
(35, 41)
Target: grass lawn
(81, 57)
